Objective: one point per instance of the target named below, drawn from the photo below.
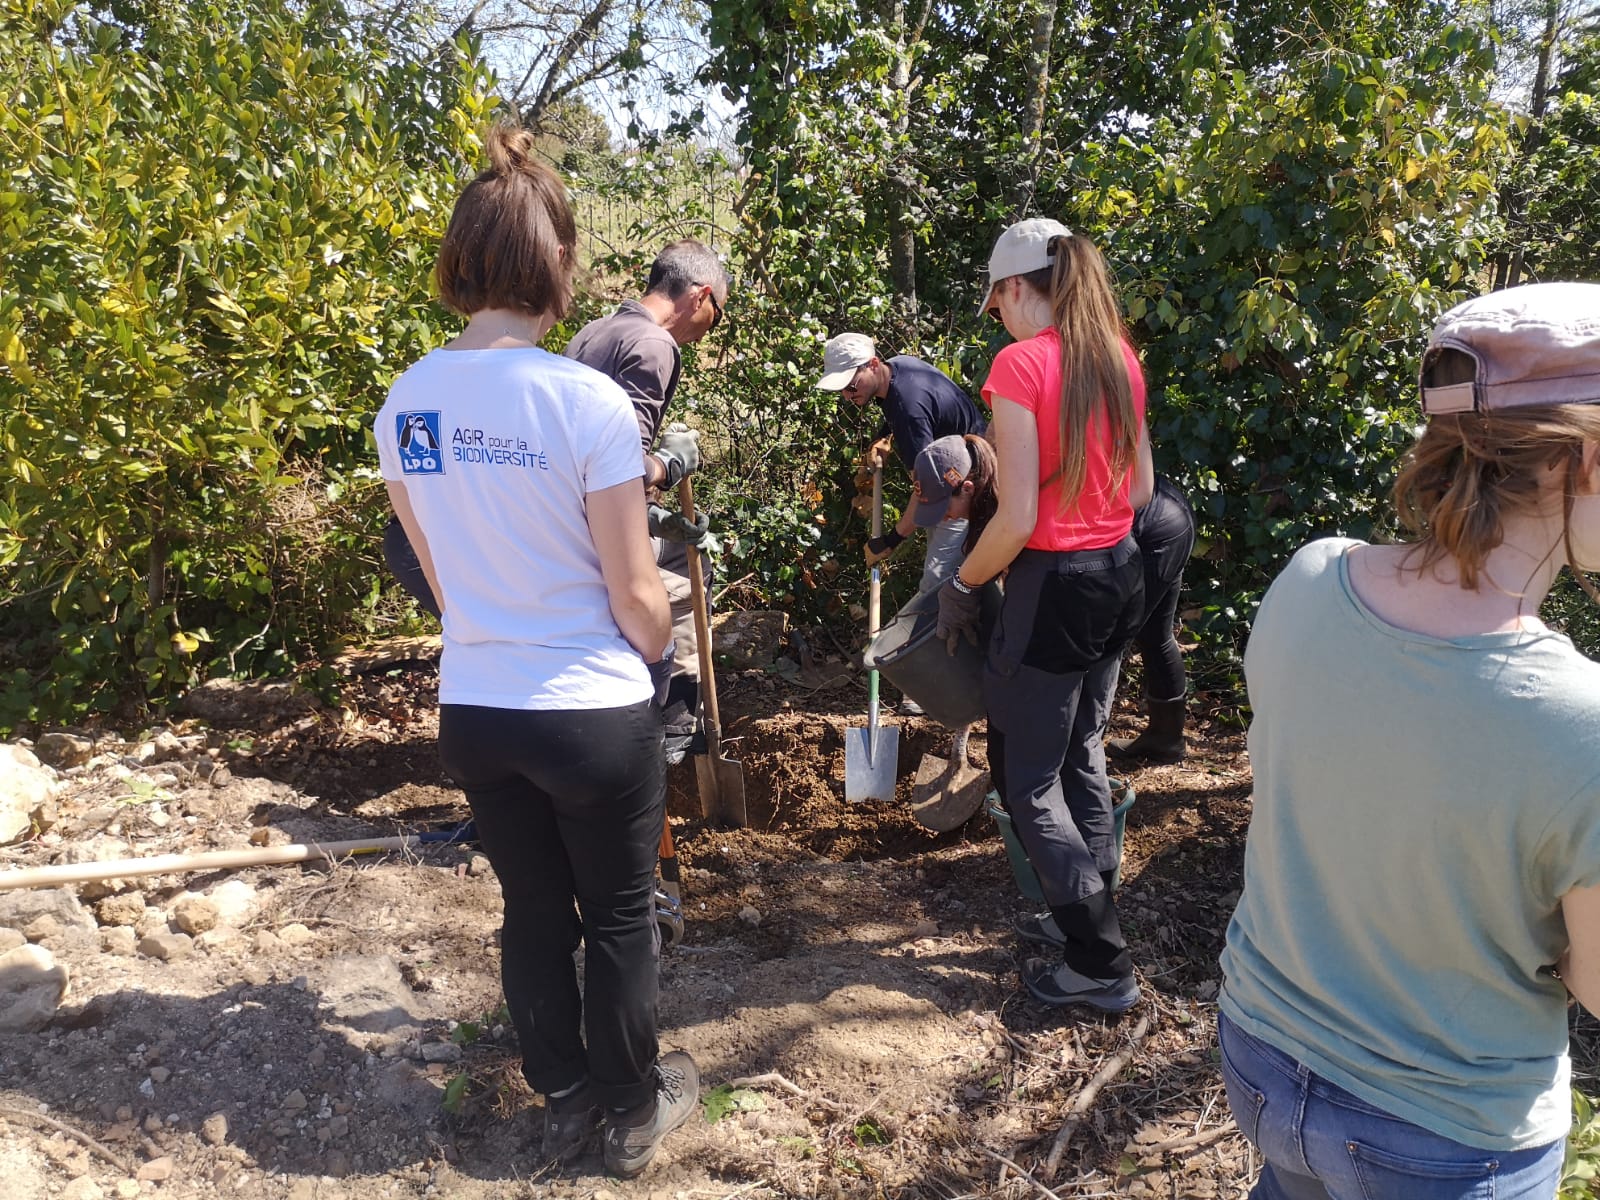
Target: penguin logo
(417, 437)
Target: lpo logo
(417, 436)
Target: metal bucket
(949, 687)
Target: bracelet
(964, 588)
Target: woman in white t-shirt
(516, 475)
(1422, 877)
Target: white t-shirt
(497, 450)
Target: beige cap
(842, 357)
(1537, 344)
(1022, 248)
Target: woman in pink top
(1074, 463)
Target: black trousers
(1165, 533)
(568, 807)
(1048, 681)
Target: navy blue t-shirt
(924, 404)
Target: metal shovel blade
(870, 769)
(721, 783)
(945, 795)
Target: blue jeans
(1322, 1143)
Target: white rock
(165, 946)
(120, 941)
(25, 784)
(19, 909)
(32, 985)
(10, 938)
(235, 901)
(157, 1169)
(295, 934)
(214, 1129)
(82, 1188)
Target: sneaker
(909, 708)
(1040, 929)
(569, 1123)
(632, 1138)
(1057, 984)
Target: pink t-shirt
(1029, 373)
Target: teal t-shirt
(1421, 806)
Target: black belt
(1081, 562)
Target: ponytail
(1094, 371)
(512, 240)
(984, 477)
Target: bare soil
(848, 984)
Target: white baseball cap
(1023, 247)
(842, 357)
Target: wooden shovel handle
(702, 624)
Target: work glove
(672, 526)
(958, 616)
(882, 546)
(661, 674)
(678, 452)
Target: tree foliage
(220, 220)
(1287, 195)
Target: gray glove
(661, 675)
(959, 613)
(672, 526)
(678, 452)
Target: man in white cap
(920, 405)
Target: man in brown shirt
(638, 346)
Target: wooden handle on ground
(209, 860)
(702, 624)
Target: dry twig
(1021, 1174)
(773, 1079)
(104, 1152)
(1191, 1141)
(1091, 1091)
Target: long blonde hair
(1469, 471)
(1094, 373)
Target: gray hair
(685, 264)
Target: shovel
(669, 895)
(871, 755)
(721, 780)
(946, 795)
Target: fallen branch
(104, 1152)
(1191, 1141)
(1085, 1099)
(1006, 1162)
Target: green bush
(220, 220)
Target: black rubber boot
(1162, 739)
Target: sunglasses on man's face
(716, 309)
(854, 386)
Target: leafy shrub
(220, 220)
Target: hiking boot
(569, 1123)
(1040, 929)
(1162, 739)
(633, 1137)
(909, 708)
(1057, 985)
